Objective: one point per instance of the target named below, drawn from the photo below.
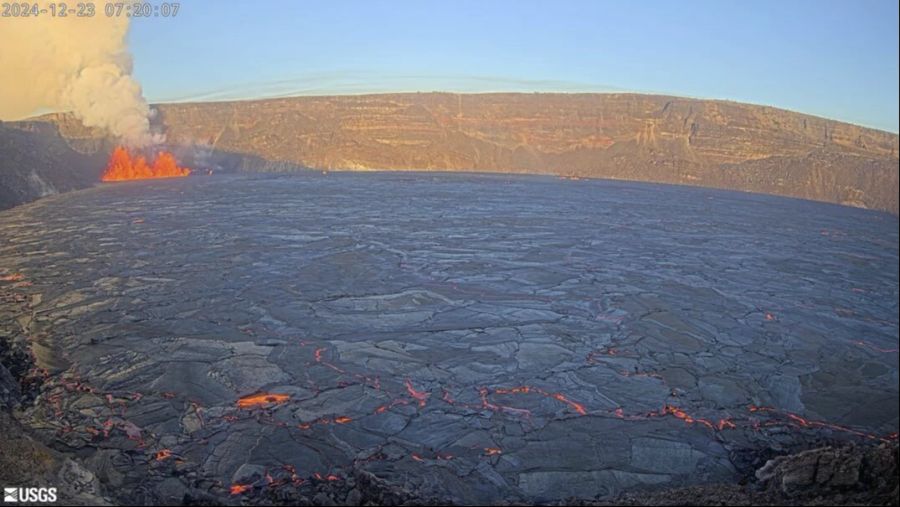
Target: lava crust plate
(478, 337)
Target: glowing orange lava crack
(802, 422)
(420, 396)
(720, 425)
(577, 407)
(325, 421)
(862, 343)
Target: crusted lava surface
(444, 337)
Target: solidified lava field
(473, 338)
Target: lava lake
(472, 338)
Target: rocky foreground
(397, 338)
(847, 475)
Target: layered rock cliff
(624, 136)
(36, 162)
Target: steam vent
(391, 338)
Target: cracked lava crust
(476, 338)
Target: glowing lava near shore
(123, 166)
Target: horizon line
(325, 94)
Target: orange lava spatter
(123, 166)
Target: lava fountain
(124, 166)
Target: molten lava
(123, 166)
(421, 396)
(577, 407)
(239, 489)
(262, 400)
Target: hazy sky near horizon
(837, 59)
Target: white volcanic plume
(73, 64)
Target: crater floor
(474, 337)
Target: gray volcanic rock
(446, 337)
(36, 162)
(10, 392)
(26, 462)
(827, 470)
(833, 475)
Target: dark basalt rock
(830, 470)
(421, 338)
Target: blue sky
(837, 59)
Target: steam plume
(73, 64)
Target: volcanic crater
(471, 338)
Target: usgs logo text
(39, 495)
